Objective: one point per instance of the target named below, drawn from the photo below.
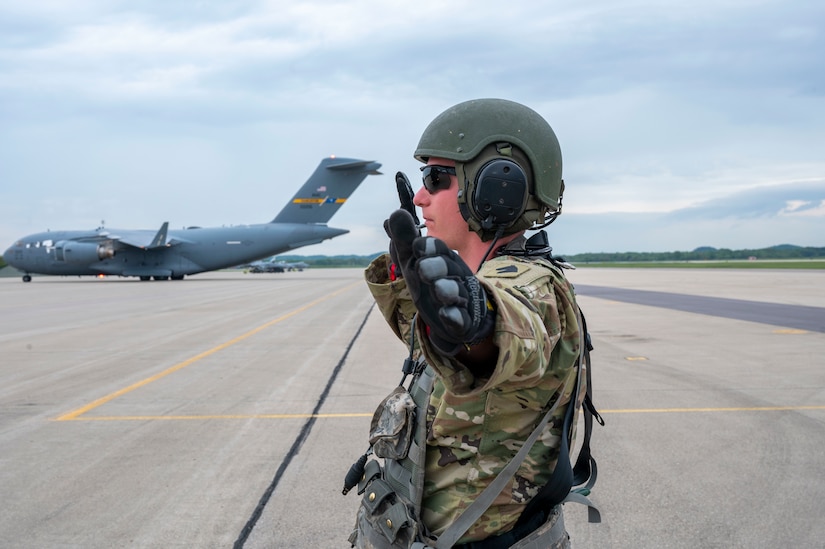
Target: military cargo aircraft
(172, 254)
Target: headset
(498, 196)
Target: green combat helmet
(508, 163)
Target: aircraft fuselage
(187, 252)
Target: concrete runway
(226, 409)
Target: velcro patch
(509, 270)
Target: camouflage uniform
(476, 425)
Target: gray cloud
(791, 199)
(208, 114)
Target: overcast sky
(697, 124)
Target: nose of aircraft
(7, 255)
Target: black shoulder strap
(584, 471)
(565, 477)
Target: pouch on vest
(391, 429)
(384, 519)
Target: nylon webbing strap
(421, 396)
(585, 468)
(485, 499)
(565, 476)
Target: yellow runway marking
(688, 410)
(232, 416)
(108, 398)
(365, 414)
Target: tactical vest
(390, 510)
(389, 516)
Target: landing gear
(27, 278)
(160, 277)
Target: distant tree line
(331, 261)
(703, 254)
(785, 251)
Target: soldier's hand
(448, 296)
(406, 195)
(406, 234)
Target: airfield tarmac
(226, 409)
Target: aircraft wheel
(177, 277)
(145, 278)
(27, 278)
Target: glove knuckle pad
(432, 268)
(448, 291)
(453, 319)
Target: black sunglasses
(436, 178)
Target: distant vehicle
(165, 254)
(272, 266)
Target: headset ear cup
(499, 197)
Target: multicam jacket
(476, 425)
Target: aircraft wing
(175, 240)
(160, 238)
(143, 239)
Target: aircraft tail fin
(330, 185)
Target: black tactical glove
(406, 197)
(448, 296)
(394, 267)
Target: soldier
(494, 335)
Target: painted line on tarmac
(74, 415)
(299, 440)
(370, 414)
(232, 416)
(797, 317)
(712, 410)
